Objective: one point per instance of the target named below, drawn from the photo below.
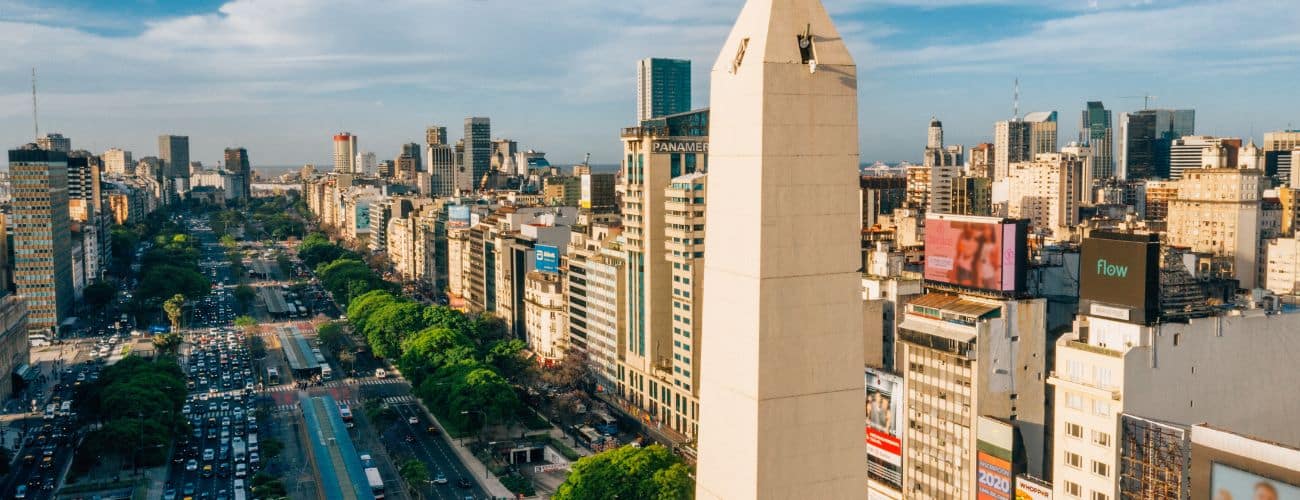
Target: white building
(596, 283)
(118, 162)
(1282, 267)
(1047, 192)
(365, 162)
(345, 153)
(545, 318)
(1220, 370)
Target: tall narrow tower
(781, 377)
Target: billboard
(547, 258)
(458, 216)
(884, 415)
(993, 477)
(1231, 483)
(1119, 276)
(986, 253)
(1028, 488)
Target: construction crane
(1146, 99)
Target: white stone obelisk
(781, 388)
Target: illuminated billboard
(986, 253)
(1232, 483)
(458, 216)
(1028, 488)
(547, 259)
(884, 414)
(1119, 276)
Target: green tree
(652, 472)
(168, 343)
(245, 322)
(271, 447)
(391, 324)
(431, 349)
(229, 241)
(414, 473)
(99, 294)
(244, 295)
(175, 308)
(330, 335)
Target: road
(48, 437)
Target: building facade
(1217, 210)
(663, 87)
(42, 236)
(345, 153)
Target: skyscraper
(407, 162)
(934, 136)
(1010, 145)
(42, 235)
(781, 382)
(174, 151)
(1095, 132)
(84, 195)
(663, 87)
(237, 163)
(1042, 132)
(1145, 137)
(54, 141)
(478, 152)
(345, 153)
(442, 162)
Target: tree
(100, 294)
(414, 473)
(245, 322)
(568, 372)
(391, 324)
(168, 343)
(330, 336)
(244, 295)
(175, 308)
(652, 472)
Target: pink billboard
(972, 252)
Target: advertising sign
(974, 252)
(458, 216)
(1028, 488)
(547, 259)
(679, 147)
(1118, 270)
(884, 414)
(1229, 482)
(993, 477)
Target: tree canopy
(137, 401)
(652, 472)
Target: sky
(280, 77)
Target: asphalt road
(48, 437)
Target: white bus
(376, 482)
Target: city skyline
(287, 102)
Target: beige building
(15, 353)
(1203, 370)
(457, 259)
(1282, 266)
(1217, 210)
(118, 162)
(1046, 191)
(963, 357)
(596, 284)
(781, 382)
(545, 318)
(1281, 140)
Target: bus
(272, 375)
(376, 482)
(346, 414)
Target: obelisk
(781, 389)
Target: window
(1100, 438)
(1097, 495)
(1074, 430)
(1073, 401)
(1074, 460)
(1073, 489)
(1100, 408)
(1101, 469)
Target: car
(20, 491)
(192, 465)
(48, 484)
(185, 409)
(253, 458)
(209, 454)
(189, 488)
(413, 420)
(410, 438)
(207, 470)
(461, 482)
(439, 478)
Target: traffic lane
(437, 448)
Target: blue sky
(281, 76)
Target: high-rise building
(596, 283)
(174, 152)
(1201, 151)
(781, 384)
(657, 152)
(1042, 132)
(54, 141)
(934, 135)
(42, 235)
(442, 162)
(1011, 144)
(1145, 137)
(407, 163)
(85, 200)
(118, 162)
(345, 153)
(237, 164)
(663, 87)
(1217, 210)
(503, 156)
(881, 194)
(1279, 153)
(972, 196)
(598, 192)
(1046, 192)
(478, 152)
(366, 162)
(1095, 131)
(980, 161)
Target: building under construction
(1155, 460)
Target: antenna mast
(36, 124)
(1015, 110)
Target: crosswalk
(293, 407)
(406, 398)
(336, 383)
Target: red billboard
(993, 477)
(975, 252)
(884, 414)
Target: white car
(192, 465)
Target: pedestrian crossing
(293, 407)
(406, 398)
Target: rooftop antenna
(1015, 110)
(36, 124)
(587, 160)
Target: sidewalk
(475, 466)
